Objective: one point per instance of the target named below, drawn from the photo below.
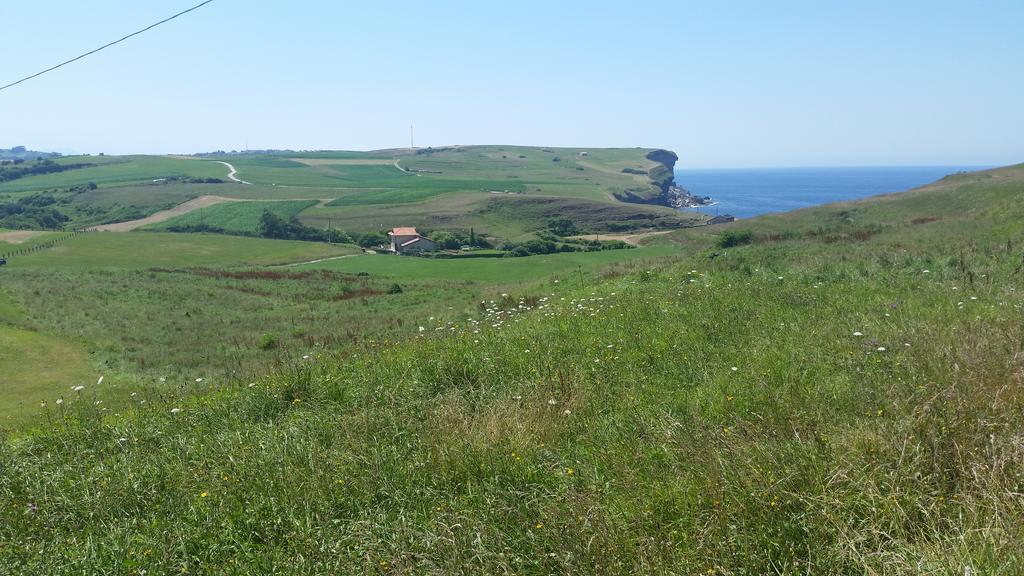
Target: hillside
(504, 192)
(836, 390)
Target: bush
(395, 288)
(733, 238)
(267, 342)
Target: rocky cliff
(662, 189)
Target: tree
(272, 226)
(563, 227)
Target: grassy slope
(143, 313)
(236, 216)
(497, 271)
(365, 191)
(113, 170)
(147, 250)
(720, 416)
(37, 366)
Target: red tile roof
(404, 231)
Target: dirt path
(18, 236)
(231, 174)
(633, 239)
(315, 261)
(184, 208)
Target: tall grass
(748, 414)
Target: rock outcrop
(662, 189)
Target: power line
(118, 41)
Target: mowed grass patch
(37, 368)
(152, 249)
(235, 216)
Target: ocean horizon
(748, 192)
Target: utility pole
(412, 141)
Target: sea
(746, 192)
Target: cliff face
(662, 189)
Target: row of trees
(15, 169)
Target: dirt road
(231, 174)
(184, 208)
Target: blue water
(751, 191)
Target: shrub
(733, 238)
(267, 342)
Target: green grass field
(38, 368)
(140, 250)
(235, 216)
(115, 170)
(497, 271)
(505, 192)
(838, 396)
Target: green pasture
(115, 170)
(140, 250)
(497, 271)
(235, 216)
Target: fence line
(42, 245)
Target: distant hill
(22, 153)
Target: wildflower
(78, 388)
(60, 400)
(552, 402)
(252, 384)
(305, 356)
(199, 380)
(204, 494)
(566, 413)
(858, 334)
(297, 401)
(422, 328)
(570, 471)
(175, 410)
(734, 369)
(100, 381)
(539, 525)
(729, 397)
(881, 348)
(32, 508)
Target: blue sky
(724, 84)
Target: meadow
(243, 217)
(837, 395)
(505, 192)
(117, 170)
(140, 250)
(155, 311)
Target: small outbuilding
(723, 219)
(406, 240)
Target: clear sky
(724, 84)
